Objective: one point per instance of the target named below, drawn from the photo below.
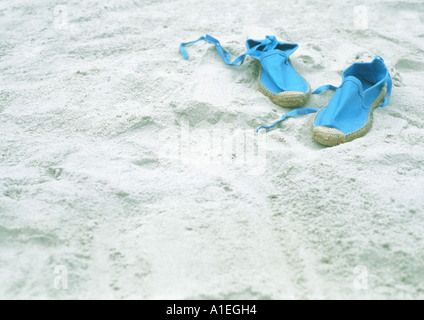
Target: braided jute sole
(289, 99)
(333, 137)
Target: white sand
(88, 97)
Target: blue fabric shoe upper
(277, 75)
(349, 108)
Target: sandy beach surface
(127, 172)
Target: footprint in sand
(409, 65)
(310, 62)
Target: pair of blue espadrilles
(347, 116)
